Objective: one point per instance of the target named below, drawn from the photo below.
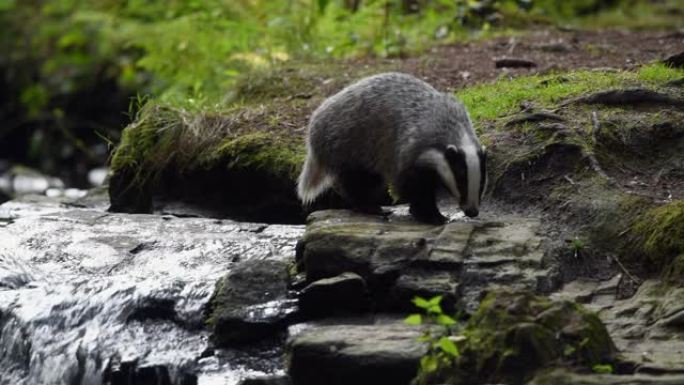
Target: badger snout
(471, 212)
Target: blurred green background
(74, 72)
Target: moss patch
(501, 98)
(661, 232)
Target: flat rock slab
(251, 302)
(648, 328)
(343, 354)
(563, 377)
(399, 259)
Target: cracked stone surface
(401, 258)
(648, 328)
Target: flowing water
(90, 297)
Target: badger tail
(313, 180)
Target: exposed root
(632, 96)
(595, 165)
(534, 117)
(514, 63)
(624, 270)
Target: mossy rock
(238, 163)
(515, 333)
(659, 234)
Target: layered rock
(399, 258)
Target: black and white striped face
(469, 167)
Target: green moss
(503, 97)
(260, 151)
(661, 232)
(181, 140)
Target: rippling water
(90, 297)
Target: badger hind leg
(418, 186)
(362, 189)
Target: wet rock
(426, 284)
(267, 380)
(129, 373)
(400, 259)
(343, 294)
(4, 196)
(84, 291)
(514, 63)
(513, 334)
(251, 302)
(21, 180)
(565, 377)
(344, 354)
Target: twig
(624, 269)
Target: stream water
(91, 297)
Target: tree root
(632, 96)
(595, 165)
(514, 63)
(534, 117)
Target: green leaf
(435, 309)
(435, 301)
(445, 320)
(428, 363)
(448, 347)
(421, 302)
(569, 350)
(414, 319)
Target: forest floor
(459, 65)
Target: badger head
(468, 165)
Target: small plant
(576, 246)
(442, 347)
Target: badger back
(364, 123)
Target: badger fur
(394, 128)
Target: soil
(458, 65)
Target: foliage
(69, 67)
(442, 349)
(576, 246)
(513, 334)
(197, 48)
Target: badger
(395, 129)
